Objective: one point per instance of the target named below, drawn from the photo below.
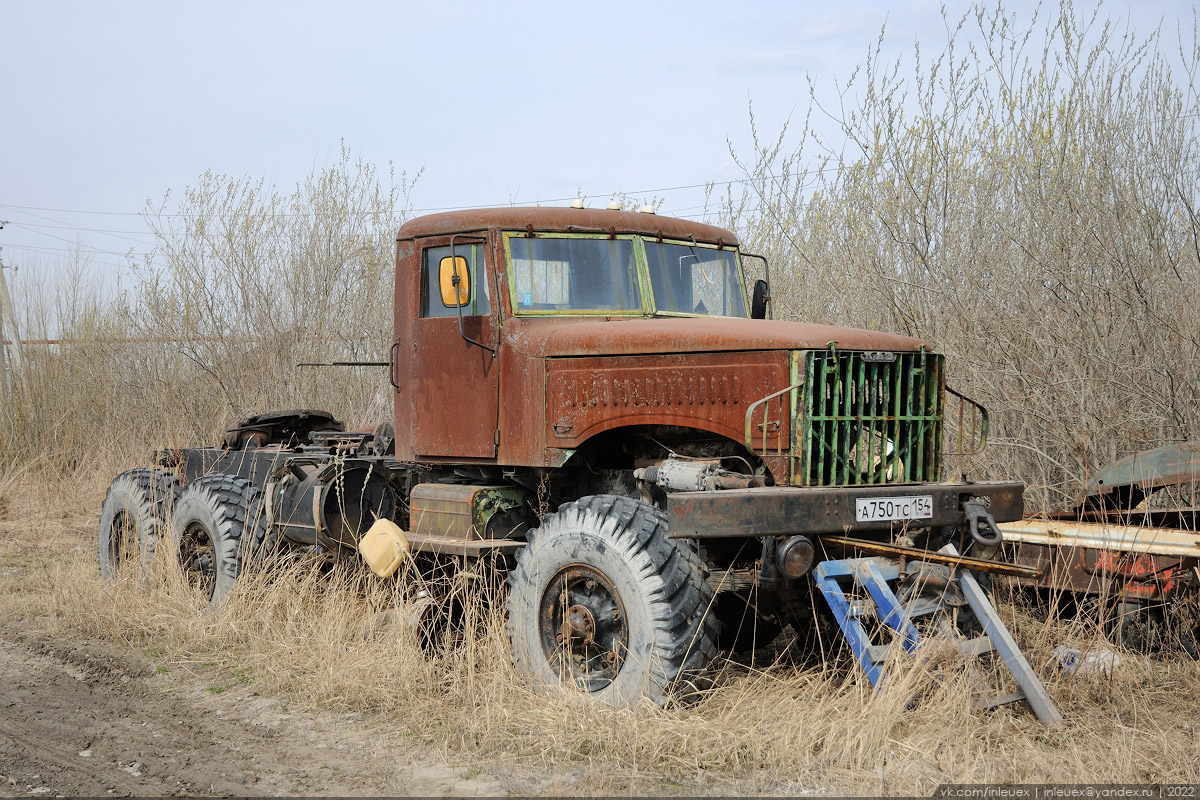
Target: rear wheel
(1138, 626)
(218, 528)
(133, 518)
(743, 628)
(601, 600)
(1143, 627)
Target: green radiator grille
(870, 418)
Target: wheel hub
(198, 557)
(584, 632)
(580, 624)
(122, 539)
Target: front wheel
(602, 601)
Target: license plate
(876, 509)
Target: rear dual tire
(218, 529)
(213, 528)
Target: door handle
(392, 364)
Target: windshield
(574, 274)
(688, 279)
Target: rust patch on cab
(587, 396)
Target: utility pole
(8, 323)
(3, 350)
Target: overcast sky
(107, 104)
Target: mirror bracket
(458, 297)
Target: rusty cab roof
(561, 335)
(564, 220)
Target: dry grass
(299, 634)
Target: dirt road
(78, 719)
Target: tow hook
(976, 513)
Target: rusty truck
(598, 403)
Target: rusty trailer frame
(1113, 544)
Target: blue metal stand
(836, 578)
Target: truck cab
(567, 337)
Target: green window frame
(645, 291)
(639, 289)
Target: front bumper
(790, 510)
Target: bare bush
(249, 282)
(245, 282)
(1025, 200)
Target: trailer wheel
(218, 528)
(601, 600)
(1137, 627)
(133, 517)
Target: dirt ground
(91, 716)
(77, 719)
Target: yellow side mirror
(454, 292)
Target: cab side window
(433, 303)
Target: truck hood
(575, 336)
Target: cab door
(454, 370)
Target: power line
(68, 241)
(701, 212)
(59, 224)
(54, 251)
(81, 228)
(65, 224)
(431, 209)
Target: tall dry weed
(245, 282)
(1023, 197)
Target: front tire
(218, 528)
(602, 601)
